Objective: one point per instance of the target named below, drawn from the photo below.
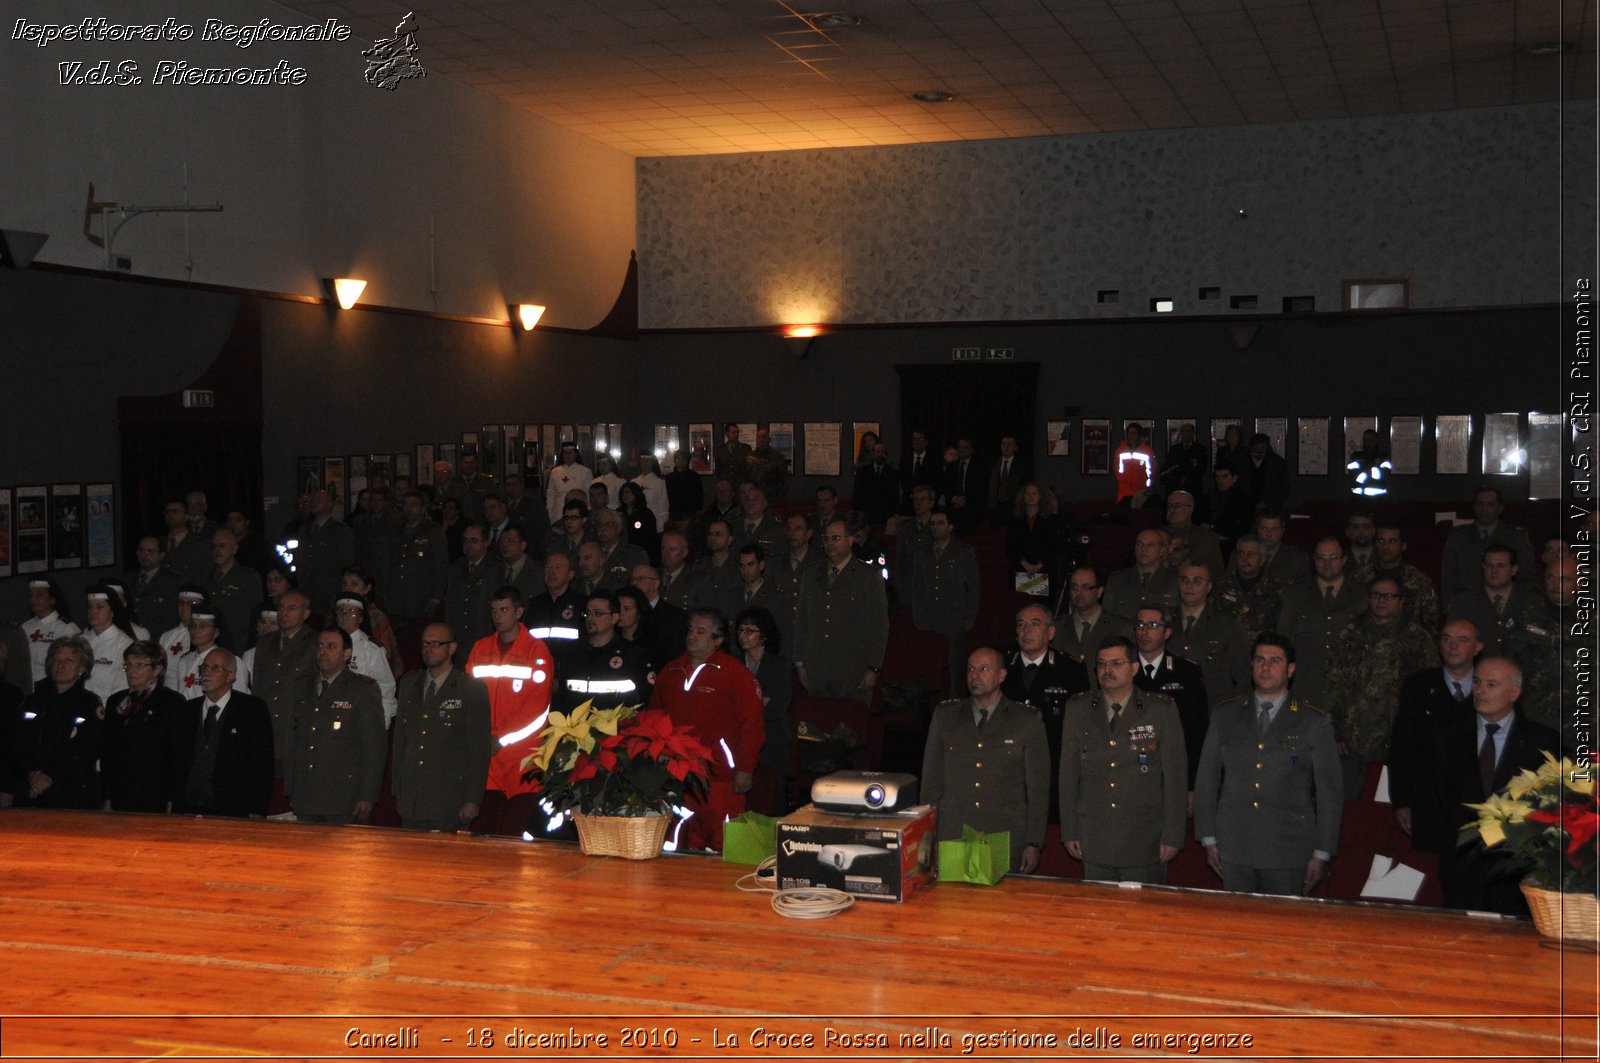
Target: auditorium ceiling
(702, 77)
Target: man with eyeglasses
(1203, 542)
(1314, 615)
(467, 585)
(1248, 592)
(841, 625)
(1498, 607)
(228, 740)
(1044, 679)
(603, 667)
(1177, 677)
(1149, 580)
(1389, 559)
(441, 740)
(1372, 658)
(1085, 624)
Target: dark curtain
(162, 463)
(982, 402)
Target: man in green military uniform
(1149, 580)
(1373, 657)
(1313, 615)
(284, 663)
(987, 764)
(1124, 775)
(1463, 548)
(441, 740)
(326, 547)
(335, 770)
(1498, 607)
(420, 563)
(944, 591)
(467, 585)
(1086, 624)
(1208, 636)
(1389, 550)
(841, 622)
(1247, 592)
(1550, 646)
(235, 590)
(1360, 531)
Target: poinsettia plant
(1547, 820)
(615, 762)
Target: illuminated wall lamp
(527, 313)
(800, 338)
(345, 290)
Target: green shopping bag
(749, 839)
(979, 858)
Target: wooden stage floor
(150, 937)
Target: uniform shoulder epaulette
(951, 701)
(1308, 706)
(1180, 659)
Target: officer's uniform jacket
(618, 566)
(715, 583)
(1314, 629)
(1463, 556)
(1269, 801)
(1124, 790)
(155, 601)
(1501, 633)
(841, 629)
(466, 601)
(282, 667)
(994, 778)
(340, 744)
(1086, 648)
(321, 557)
(418, 577)
(768, 532)
(441, 747)
(1217, 642)
(945, 588)
(1289, 565)
(1255, 606)
(1181, 680)
(1127, 590)
(235, 595)
(1549, 655)
(1364, 677)
(190, 559)
(1057, 678)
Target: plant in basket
(1546, 821)
(616, 762)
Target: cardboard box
(881, 858)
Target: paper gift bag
(749, 839)
(981, 859)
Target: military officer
(421, 559)
(1360, 531)
(284, 663)
(1552, 651)
(340, 741)
(986, 764)
(1268, 800)
(787, 567)
(755, 524)
(1124, 775)
(757, 591)
(679, 581)
(945, 590)
(1084, 624)
(1248, 592)
(1287, 564)
(185, 551)
(153, 588)
(1149, 580)
(235, 590)
(1372, 657)
(572, 532)
(603, 667)
(1204, 546)
(441, 740)
(1044, 679)
(519, 570)
(467, 585)
(735, 460)
(1177, 677)
(617, 558)
(1498, 607)
(1313, 615)
(1463, 547)
(325, 547)
(841, 622)
(1422, 600)
(1208, 636)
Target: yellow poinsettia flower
(1523, 783)
(1493, 832)
(1578, 780)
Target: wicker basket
(1564, 916)
(630, 837)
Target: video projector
(864, 792)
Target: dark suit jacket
(1058, 677)
(929, 473)
(877, 491)
(242, 779)
(775, 676)
(972, 486)
(1428, 712)
(1002, 490)
(1182, 680)
(663, 632)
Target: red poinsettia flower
(1580, 824)
(584, 768)
(606, 757)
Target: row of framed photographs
(56, 528)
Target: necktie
(1327, 596)
(494, 536)
(983, 717)
(211, 722)
(322, 686)
(1005, 468)
(1149, 670)
(430, 690)
(1499, 604)
(1112, 712)
(1486, 758)
(833, 574)
(1461, 695)
(1188, 625)
(1263, 717)
(1083, 630)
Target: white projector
(856, 792)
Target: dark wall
(1333, 365)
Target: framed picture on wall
(822, 448)
(700, 448)
(402, 467)
(511, 458)
(747, 433)
(333, 482)
(1452, 434)
(1058, 439)
(1219, 431)
(1353, 429)
(380, 472)
(1096, 446)
(1313, 448)
(31, 547)
(1405, 444)
(100, 511)
(308, 475)
(1545, 434)
(1277, 430)
(585, 439)
(425, 463)
(449, 454)
(668, 442)
(489, 449)
(532, 459)
(6, 561)
(552, 449)
(568, 434)
(470, 443)
(1175, 427)
(66, 526)
(357, 470)
(781, 435)
(1502, 444)
(864, 435)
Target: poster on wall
(66, 526)
(333, 482)
(747, 433)
(1545, 432)
(31, 548)
(700, 448)
(822, 448)
(402, 467)
(552, 450)
(1353, 428)
(1175, 427)
(532, 454)
(357, 470)
(511, 457)
(100, 505)
(1452, 433)
(1313, 448)
(425, 463)
(613, 439)
(1096, 446)
(1405, 444)
(668, 443)
(1219, 430)
(5, 532)
(781, 435)
(1502, 444)
(866, 435)
(1058, 439)
(1277, 430)
(380, 473)
(585, 441)
(308, 476)
(489, 451)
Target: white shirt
(221, 704)
(184, 676)
(564, 478)
(368, 659)
(174, 643)
(655, 496)
(1145, 664)
(106, 678)
(613, 484)
(41, 633)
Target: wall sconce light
(527, 313)
(800, 338)
(345, 290)
(17, 247)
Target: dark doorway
(979, 402)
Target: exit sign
(965, 354)
(1001, 354)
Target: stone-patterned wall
(1462, 202)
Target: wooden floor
(147, 937)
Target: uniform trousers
(1152, 874)
(1281, 881)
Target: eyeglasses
(426, 643)
(1382, 596)
(1329, 557)
(1149, 625)
(834, 538)
(215, 668)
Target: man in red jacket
(520, 673)
(715, 695)
(1135, 467)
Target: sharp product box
(874, 857)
